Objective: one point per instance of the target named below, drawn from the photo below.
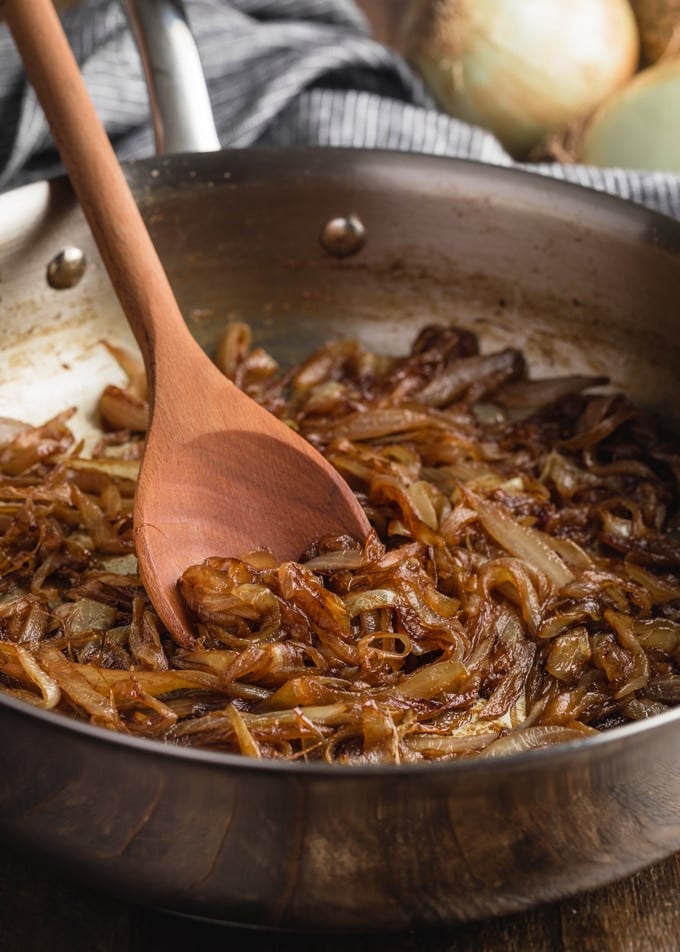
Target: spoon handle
(124, 243)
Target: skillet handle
(182, 114)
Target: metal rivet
(66, 268)
(342, 237)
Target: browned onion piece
(541, 392)
(474, 377)
(122, 410)
(10, 430)
(97, 705)
(22, 666)
(37, 445)
(133, 365)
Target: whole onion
(638, 128)
(521, 68)
(659, 26)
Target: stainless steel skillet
(582, 281)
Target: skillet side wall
(338, 848)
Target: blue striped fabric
(279, 72)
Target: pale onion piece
(489, 414)
(358, 602)
(111, 465)
(433, 679)
(422, 495)
(305, 690)
(87, 615)
(616, 527)
(121, 564)
(313, 714)
(521, 541)
(259, 559)
(348, 465)
(521, 68)
(515, 484)
(443, 745)
(659, 27)
(326, 398)
(568, 550)
(334, 561)
(246, 741)
(383, 645)
(638, 127)
(531, 738)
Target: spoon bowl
(220, 475)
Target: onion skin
(659, 27)
(638, 127)
(522, 69)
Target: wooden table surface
(47, 912)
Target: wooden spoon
(220, 475)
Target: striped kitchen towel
(279, 72)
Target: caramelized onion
(521, 587)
